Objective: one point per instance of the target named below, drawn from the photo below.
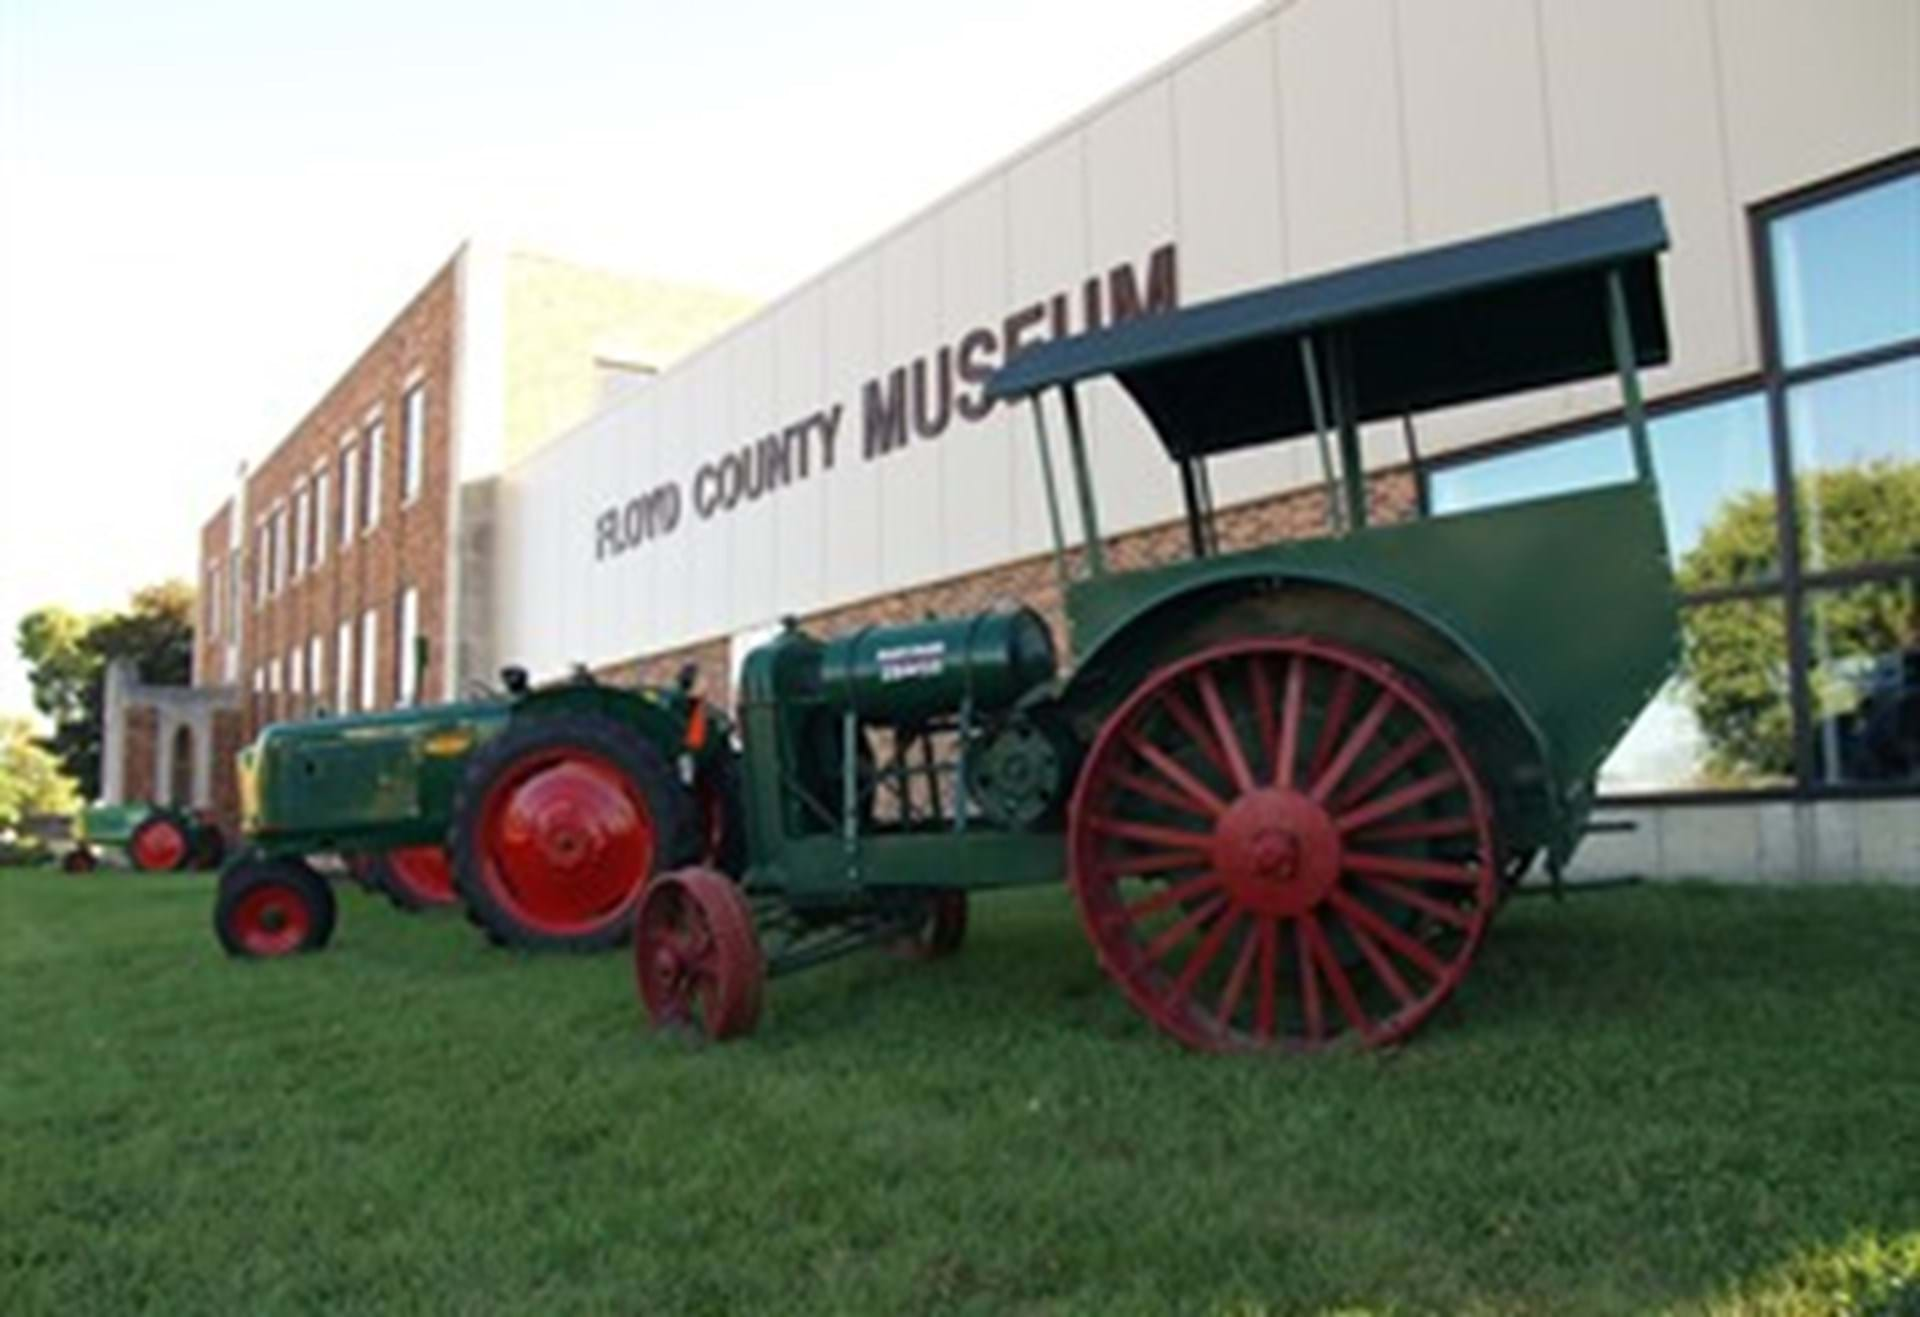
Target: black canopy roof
(1517, 310)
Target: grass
(1683, 1098)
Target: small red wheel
(268, 908)
(941, 930)
(80, 859)
(1282, 843)
(159, 845)
(414, 877)
(695, 956)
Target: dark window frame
(1771, 384)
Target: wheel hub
(1278, 851)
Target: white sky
(207, 208)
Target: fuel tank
(906, 674)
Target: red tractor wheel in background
(557, 826)
(159, 845)
(941, 931)
(414, 877)
(696, 958)
(1281, 843)
(80, 859)
(268, 908)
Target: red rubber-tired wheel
(159, 845)
(941, 930)
(80, 859)
(1282, 843)
(268, 908)
(558, 824)
(413, 877)
(696, 958)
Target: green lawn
(1677, 1098)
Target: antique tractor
(541, 809)
(155, 838)
(1289, 784)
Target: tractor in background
(542, 809)
(154, 838)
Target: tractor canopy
(1519, 310)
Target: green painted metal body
(899, 674)
(376, 782)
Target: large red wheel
(414, 877)
(695, 956)
(1281, 843)
(559, 824)
(159, 845)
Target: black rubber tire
(210, 849)
(375, 878)
(150, 825)
(80, 859)
(671, 805)
(248, 875)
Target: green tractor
(542, 809)
(155, 838)
(1288, 784)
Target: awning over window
(1518, 310)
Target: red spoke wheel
(269, 908)
(80, 859)
(1282, 843)
(159, 845)
(558, 824)
(941, 930)
(695, 956)
(413, 878)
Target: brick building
(364, 531)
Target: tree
(30, 778)
(1734, 661)
(67, 655)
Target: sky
(207, 208)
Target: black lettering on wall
(977, 352)
(930, 421)
(884, 414)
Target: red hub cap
(160, 845)
(272, 920)
(566, 841)
(424, 872)
(1282, 843)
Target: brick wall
(371, 569)
(140, 756)
(229, 734)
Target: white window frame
(343, 670)
(281, 556)
(370, 660)
(409, 634)
(302, 527)
(376, 441)
(296, 671)
(316, 665)
(349, 490)
(413, 441)
(322, 532)
(273, 675)
(262, 561)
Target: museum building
(833, 458)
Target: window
(262, 561)
(281, 557)
(413, 443)
(1793, 513)
(273, 676)
(369, 659)
(302, 529)
(234, 573)
(321, 528)
(210, 603)
(408, 639)
(296, 676)
(376, 455)
(343, 670)
(316, 666)
(349, 484)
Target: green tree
(1734, 661)
(67, 655)
(30, 778)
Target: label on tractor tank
(925, 658)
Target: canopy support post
(1053, 492)
(1204, 479)
(1190, 492)
(1422, 497)
(1352, 462)
(1083, 480)
(1625, 360)
(1329, 481)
